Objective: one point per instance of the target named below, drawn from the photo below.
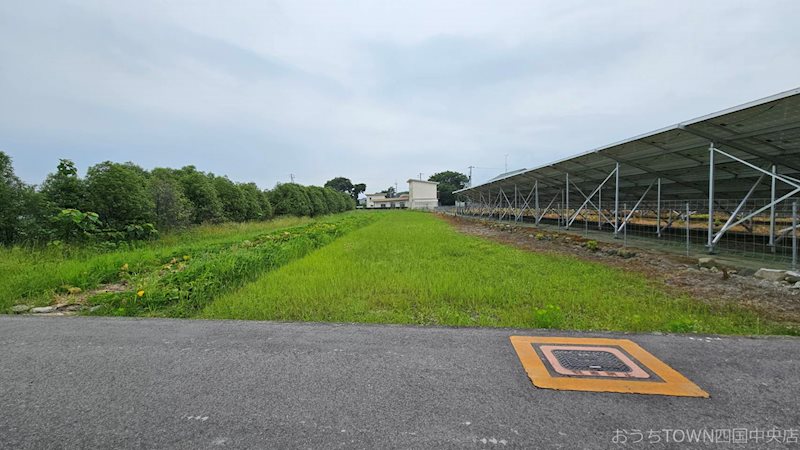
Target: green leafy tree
(120, 194)
(349, 203)
(290, 199)
(11, 201)
(64, 189)
(253, 201)
(199, 189)
(33, 222)
(333, 200)
(340, 184)
(358, 189)
(390, 192)
(234, 205)
(343, 184)
(449, 181)
(173, 209)
(267, 210)
(72, 225)
(319, 205)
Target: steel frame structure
(712, 161)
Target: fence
(769, 235)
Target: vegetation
(176, 274)
(122, 202)
(449, 181)
(413, 268)
(344, 185)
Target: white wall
(422, 194)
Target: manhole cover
(590, 360)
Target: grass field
(201, 254)
(413, 268)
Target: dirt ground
(679, 274)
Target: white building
(422, 194)
(380, 200)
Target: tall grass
(186, 283)
(413, 268)
(33, 276)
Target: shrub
(267, 210)
(119, 194)
(72, 225)
(291, 199)
(252, 199)
(319, 205)
(64, 189)
(173, 208)
(332, 200)
(201, 193)
(234, 204)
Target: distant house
(380, 200)
(422, 194)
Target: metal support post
(566, 202)
(711, 151)
(536, 200)
(516, 210)
(688, 239)
(772, 210)
(599, 205)
(794, 235)
(658, 210)
(616, 202)
(625, 231)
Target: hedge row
(124, 202)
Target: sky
(378, 92)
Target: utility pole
(291, 175)
(470, 175)
(420, 176)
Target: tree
(333, 199)
(253, 201)
(390, 192)
(449, 181)
(267, 210)
(358, 189)
(119, 194)
(200, 191)
(173, 208)
(343, 184)
(291, 199)
(11, 202)
(340, 184)
(64, 189)
(234, 205)
(319, 206)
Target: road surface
(77, 382)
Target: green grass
(413, 268)
(33, 277)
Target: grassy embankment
(413, 268)
(174, 276)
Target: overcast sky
(374, 91)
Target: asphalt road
(124, 383)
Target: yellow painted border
(673, 383)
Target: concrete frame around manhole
(667, 381)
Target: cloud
(376, 91)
